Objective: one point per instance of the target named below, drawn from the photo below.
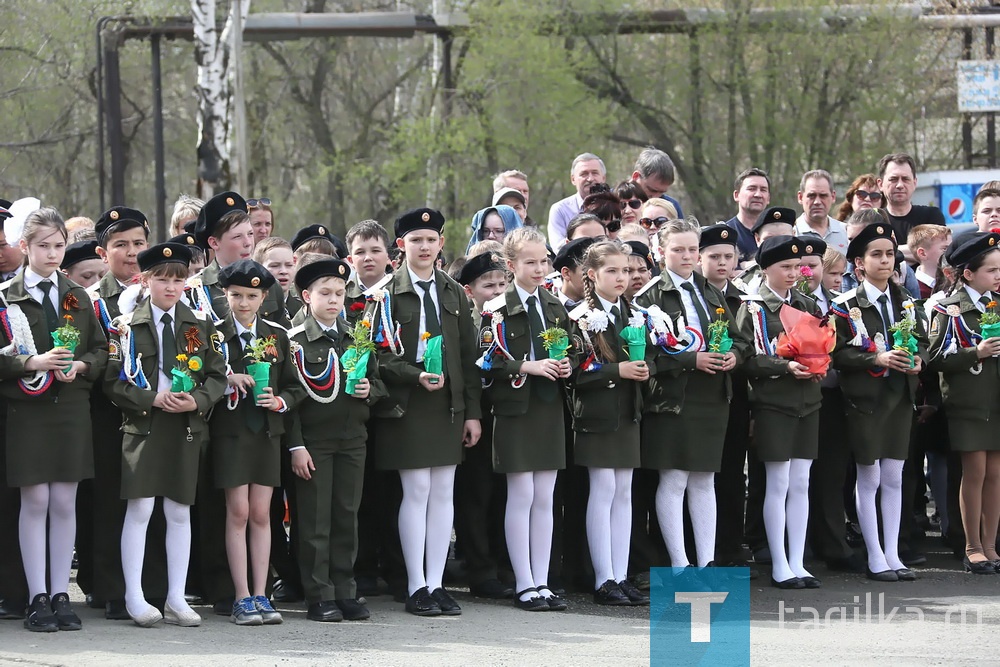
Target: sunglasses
(254, 203)
(870, 196)
(650, 223)
(633, 204)
(614, 225)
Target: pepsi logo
(956, 208)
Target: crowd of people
(236, 420)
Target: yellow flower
(194, 364)
(366, 323)
(720, 311)
(425, 335)
(182, 357)
(908, 304)
(991, 304)
(68, 318)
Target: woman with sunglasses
(261, 218)
(862, 194)
(632, 197)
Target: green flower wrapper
(432, 355)
(635, 337)
(180, 381)
(260, 371)
(356, 367)
(57, 342)
(990, 330)
(909, 344)
(720, 343)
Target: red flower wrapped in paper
(806, 339)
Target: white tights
(178, 540)
(528, 526)
(887, 475)
(56, 503)
(609, 522)
(700, 487)
(425, 521)
(786, 507)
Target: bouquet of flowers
(262, 351)
(634, 336)
(806, 339)
(802, 285)
(902, 332)
(718, 333)
(433, 354)
(180, 376)
(67, 336)
(356, 357)
(989, 322)
(556, 341)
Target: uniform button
(143, 413)
(611, 385)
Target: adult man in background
(587, 169)
(752, 194)
(897, 179)
(654, 173)
(816, 196)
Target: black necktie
(700, 309)
(883, 301)
(535, 329)
(430, 312)
(252, 414)
(247, 337)
(617, 313)
(51, 316)
(168, 344)
(985, 300)
(332, 335)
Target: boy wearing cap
(879, 381)
(775, 221)
(245, 434)
(82, 264)
(640, 260)
(422, 427)
(568, 263)
(164, 430)
(328, 456)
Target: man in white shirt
(587, 170)
(816, 196)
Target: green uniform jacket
(92, 348)
(402, 373)
(273, 307)
(282, 378)
(862, 390)
(137, 404)
(505, 399)
(772, 386)
(597, 395)
(346, 417)
(105, 296)
(966, 395)
(669, 373)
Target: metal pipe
(114, 122)
(158, 160)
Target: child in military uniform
(785, 401)
(528, 435)
(329, 457)
(606, 412)
(82, 264)
(275, 255)
(245, 434)
(48, 397)
(164, 430)
(422, 427)
(683, 430)
(967, 356)
(879, 382)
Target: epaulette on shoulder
(295, 331)
(200, 315)
(751, 297)
(495, 303)
(124, 318)
(379, 286)
(554, 275)
(645, 288)
(580, 311)
(274, 324)
(846, 296)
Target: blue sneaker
(245, 613)
(267, 612)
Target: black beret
(778, 249)
(812, 244)
(419, 218)
(214, 210)
(190, 226)
(246, 273)
(184, 239)
(5, 209)
(966, 247)
(571, 254)
(318, 232)
(550, 252)
(718, 234)
(868, 234)
(164, 253)
(640, 249)
(477, 266)
(78, 252)
(310, 273)
(120, 218)
(774, 214)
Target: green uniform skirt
(428, 435)
(246, 458)
(163, 463)
(533, 441)
(973, 435)
(614, 449)
(781, 437)
(49, 442)
(883, 434)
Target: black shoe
(447, 603)
(422, 604)
(853, 536)
(492, 589)
(65, 616)
(93, 602)
(911, 558)
(853, 563)
(353, 610)
(641, 580)
(555, 602)
(611, 594)
(762, 556)
(114, 610)
(788, 584)
(283, 591)
(40, 617)
(223, 607)
(906, 574)
(367, 586)
(9, 610)
(811, 582)
(326, 611)
(635, 597)
(885, 575)
(980, 567)
(537, 603)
